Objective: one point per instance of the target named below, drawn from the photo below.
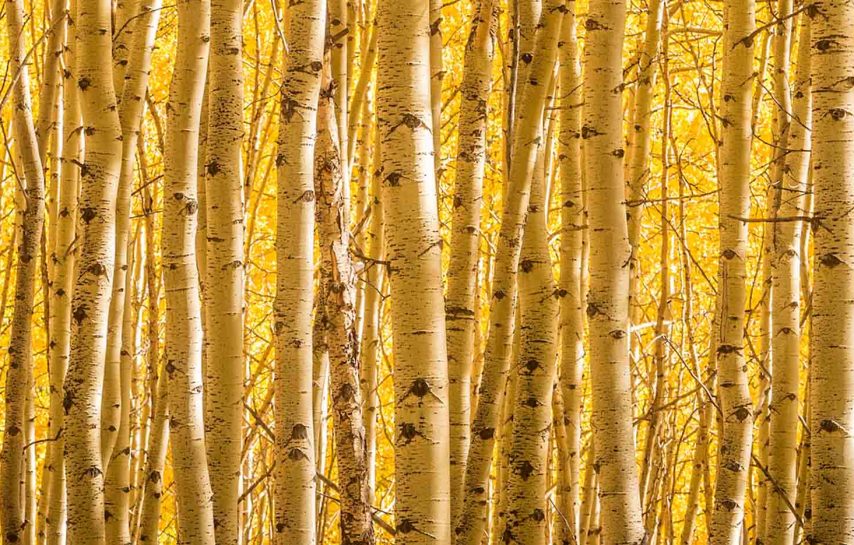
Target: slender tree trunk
(96, 239)
(15, 522)
(422, 504)
(437, 74)
(786, 276)
(465, 237)
(832, 327)
(371, 352)
(225, 266)
(338, 290)
(570, 288)
(535, 368)
(610, 255)
(181, 279)
(295, 474)
(472, 518)
(114, 406)
(727, 523)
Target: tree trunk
(338, 292)
(225, 266)
(535, 369)
(832, 372)
(181, 279)
(465, 237)
(422, 504)
(472, 518)
(786, 276)
(96, 239)
(295, 474)
(15, 523)
(727, 523)
(571, 289)
(610, 256)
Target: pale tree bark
(832, 327)
(115, 406)
(125, 12)
(422, 484)
(341, 30)
(437, 74)
(571, 286)
(117, 481)
(471, 521)
(63, 257)
(465, 236)
(130, 115)
(295, 510)
(736, 424)
(338, 320)
(15, 520)
(610, 256)
(535, 369)
(637, 165)
(96, 239)
(225, 266)
(786, 275)
(151, 480)
(371, 352)
(181, 278)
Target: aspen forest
(427, 272)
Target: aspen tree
(832, 372)
(225, 270)
(734, 449)
(124, 18)
(465, 237)
(63, 257)
(637, 165)
(786, 337)
(95, 238)
(471, 521)
(535, 369)
(781, 94)
(114, 427)
(370, 343)
(295, 474)
(338, 288)
(180, 276)
(610, 252)
(412, 242)
(137, 44)
(117, 481)
(437, 74)
(341, 33)
(15, 523)
(570, 291)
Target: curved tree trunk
(532, 408)
(15, 523)
(115, 418)
(472, 518)
(96, 239)
(181, 279)
(465, 237)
